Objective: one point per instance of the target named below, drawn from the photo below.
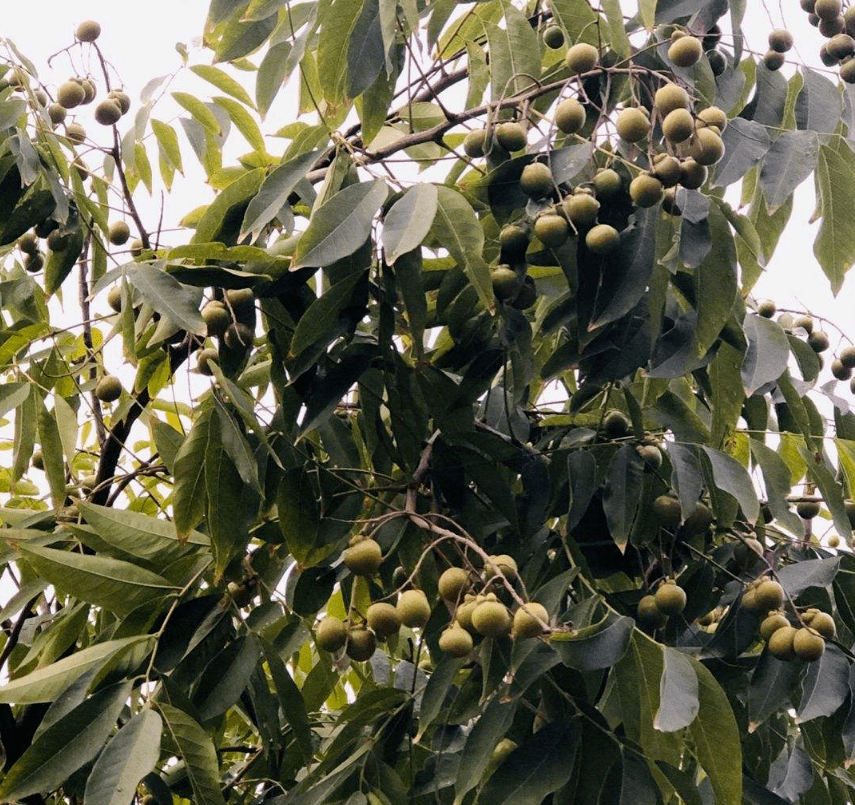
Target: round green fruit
(475, 143)
(840, 371)
(645, 190)
(616, 425)
(241, 301)
(830, 28)
(699, 521)
(553, 36)
(238, 336)
(770, 595)
(670, 599)
(581, 210)
(808, 509)
(780, 643)
(413, 608)
(772, 60)
(119, 233)
(667, 170)
(767, 308)
(108, 389)
(706, 147)
(56, 112)
(88, 91)
(686, 51)
(364, 558)
(805, 322)
(330, 634)
(28, 243)
(834, 541)
(713, 116)
(780, 40)
(505, 281)
(456, 642)
(569, 116)
(827, 9)
(70, 94)
(383, 620)
(491, 619)
(452, 583)
(667, 511)
(818, 341)
(823, 624)
(717, 62)
(632, 124)
(514, 241)
(651, 455)
(121, 98)
(34, 262)
(361, 644)
(692, 174)
(808, 644)
(526, 296)
(206, 357)
(607, 183)
(847, 72)
(771, 624)
(216, 317)
(847, 357)
(552, 230)
(510, 136)
(76, 133)
(670, 97)
(38, 460)
(108, 112)
(678, 125)
(502, 563)
(649, 613)
(536, 180)
(463, 615)
(581, 58)
(87, 31)
(528, 620)
(602, 239)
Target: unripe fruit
(89, 91)
(809, 614)
(552, 230)
(136, 248)
(823, 624)
(834, 541)
(217, 318)
(361, 644)
(692, 174)
(616, 425)
(88, 31)
(767, 308)
(717, 62)
(463, 615)
(114, 298)
(667, 511)
(808, 645)
(713, 116)
(536, 180)
(840, 371)
(847, 357)
(70, 94)
(383, 620)
(771, 624)
(770, 595)
(76, 133)
(527, 620)
(827, 9)
(772, 60)
(474, 144)
(505, 282)
(28, 243)
(413, 608)
(34, 262)
(645, 190)
(364, 558)
(830, 28)
(780, 643)
(667, 170)
(847, 72)
(706, 147)
(455, 641)
(808, 509)
(825, 57)
(651, 455)
(678, 125)
(108, 389)
(58, 240)
(553, 36)
(699, 521)
(581, 58)
(491, 619)
(510, 136)
(669, 202)
(38, 460)
(502, 563)
(452, 583)
(241, 300)
(238, 336)
(121, 98)
(514, 241)
(818, 341)
(602, 239)
(670, 97)
(686, 51)
(670, 599)
(780, 40)
(607, 183)
(632, 124)
(581, 209)
(330, 634)
(56, 113)
(569, 116)
(206, 357)
(805, 322)
(649, 613)
(119, 233)
(108, 112)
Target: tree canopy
(446, 456)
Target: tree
(449, 457)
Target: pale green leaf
(409, 220)
(222, 81)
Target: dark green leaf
(409, 220)
(599, 645)
(825, 685)
(622, 493)
(787, 164)
(489, 729)
(767, 354)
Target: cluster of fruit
(472, 614)
(838, 27)
(780, 42)
(231, 319)
(668, 600)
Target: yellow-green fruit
(767, 308)
(808, 509)
(108, 112)
(632, 124)
(238, 336)
(491, 619)
(818, 341)
(616, 424)
(38, 460)
(667, 511)
(241, 300)
(57, 240)
(686, 51)
(121, 98)
(823, 624)
(805, 322)
(713, 116)
(505, 282)
(552, 230)
(809, 614)
(108, 389)
(581, 58)
(670, 599)
(206, 357)
(607, 183)
(645, 190)
(581, 209)
(452, 583)
(770, 594)
(569, 116)
(699, 521)
(847, 72)
(834, 541)
(510, 136)
(669, 202)
(553, 36)
(383, 620)
(678, 125)
(514, 240)
(504, 563)
(602, 239)
(649, 613)
(771, 624)
(692, 174)
(772, 60)
(780, 40)
(330, 634)
(361, 643)
(413, 608)
(364, 558)
(527, 620)
(119, 233)
(840, 371)
(706, 147)
(667, 169)
(651, 455)
(70, 94)
(536, 180)
(75, 132)
(670, 97)
(780, 643)
(808, 644)
(475, 143)
(847, 357)
(88, 31)
(455, 641)
(56, 112)
(216, 317)
(136, 248)
(465, 610)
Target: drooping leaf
(789, 161)
(167, 296)
(599, 645)
(678, 693)
(834, 246)
(409, 220)
(825, 685)
(767, 354)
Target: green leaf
(242, 38)
(731, 477)
(167, 296)
(128, 757)
(12, 395)
(408, 270)
(819, 105)
(533, 771)
(299, 515)
(321, 318)
(834, 246)
(767, 354)
(798, 577)
(244, 121)
(727, 394)
(717, 739)
(201, 113)
(337, 19)
(110, 583)
(366, 53)
(488, 730)
(199, 754)
(821, 472)
(599, 645)
(409, 220)
(578, 20)
(222, 81)
(622, 493)
(715, 283)
(226, 677)
(678, 692)
(48, 434)
(65, 746)
(778, 483)
(746, 142)
(341, 225)
(59, 264)
(291, 701)
(772, 684)
(514, 55)
(825, 685)
(221, 221)
(188, 504)
(789, 161)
